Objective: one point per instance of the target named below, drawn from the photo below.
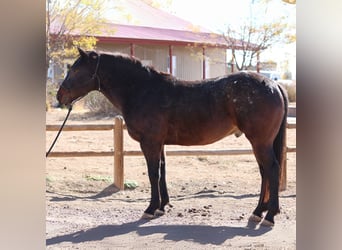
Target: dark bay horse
(159, 109)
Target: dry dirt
(211, 196)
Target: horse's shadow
(108, 191)
(202, 234)
(111, 189)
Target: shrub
(99, 104)
(290, 87)
(291, 91)
(51, 91)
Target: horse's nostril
(59, 96)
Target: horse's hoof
(255, 218)
(158, 213)
(147, 216)
(267, 223)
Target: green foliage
(130, 184)
(72, 23)
(98, 178)
(48, 179)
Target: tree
(252, 37)
(71, 23)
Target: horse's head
(81, 78)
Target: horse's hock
(119, 153)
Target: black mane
(126, 61)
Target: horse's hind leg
(269, 199)
(263, 199)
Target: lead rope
(60, 130)
(70, 108)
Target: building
(164, 41)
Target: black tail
(279, 144)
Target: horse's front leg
(162, 184)
(152, 152)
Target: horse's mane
(136, 63)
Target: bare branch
(253, 39)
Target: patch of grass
(98, 178)
(202, 158)
(48, 179)
(130, 184)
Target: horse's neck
(121, 82)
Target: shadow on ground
(111, 189)
(108, 191)
(202, 234)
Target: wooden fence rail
(119, 151)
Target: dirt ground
(211, 196)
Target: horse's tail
(279, 144)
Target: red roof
(139, 34)
(142, 14)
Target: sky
(216, 15)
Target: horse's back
(205, 113)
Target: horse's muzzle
(62, 96)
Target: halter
(95, 75)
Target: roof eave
(158, 42)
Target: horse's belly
(201, 136)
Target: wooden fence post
(118, 153)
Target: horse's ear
(82, 53)
(93, 55)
